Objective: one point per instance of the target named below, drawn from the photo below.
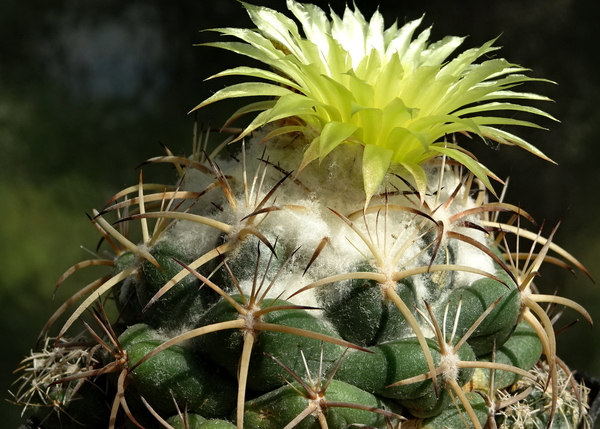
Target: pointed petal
(333, 134)
(375, 165)
(247, 89)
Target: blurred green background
(89, 88)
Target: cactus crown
(350, 81)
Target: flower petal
(511, 139)
(259, 73)
(375, 165)
(247, 89)
(471, 164)
(333, 134)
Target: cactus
(350, 266)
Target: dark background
(88, 89)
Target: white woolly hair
(304, 217)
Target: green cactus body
(522, 350)
(344, 268)
(196, 421)
(225, 347)
(216, 424)
(364, 315)
(394, 361)
(278, 408)
(176, 376)
(193, 421)
(454, 417)
(474, 299)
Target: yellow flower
(347, 80)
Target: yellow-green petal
(375, 165)
(334, 134)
